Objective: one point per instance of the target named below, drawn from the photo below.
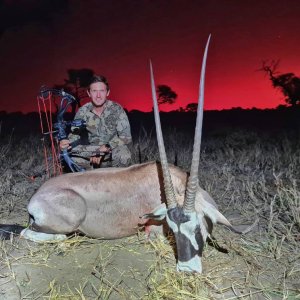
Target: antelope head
(188, 227)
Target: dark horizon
(266, 120)
(279, 107)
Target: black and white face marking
(189, 240)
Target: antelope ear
(214, 215)
(158, 214)
(206, 204)
(221, 219)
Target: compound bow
(61, 125)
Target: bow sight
(62, 126)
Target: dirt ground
(77, 269)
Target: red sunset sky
(41, 40)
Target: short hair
(99, 78)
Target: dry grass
(248, 174)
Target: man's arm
(123, 136)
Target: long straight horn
(189, 202)
(168, 185)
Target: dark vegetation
(165, 94)
(269, 120)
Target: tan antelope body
(108, 203)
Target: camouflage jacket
(111, 127)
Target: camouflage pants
(119, 157)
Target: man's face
(98, 93)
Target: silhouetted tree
(165, 94)
(191, 107)
(288, 83)
(180, 109)
(76, 84)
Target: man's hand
(64, 144)
(105, 148)
(96, 160)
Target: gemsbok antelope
(112, 203)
